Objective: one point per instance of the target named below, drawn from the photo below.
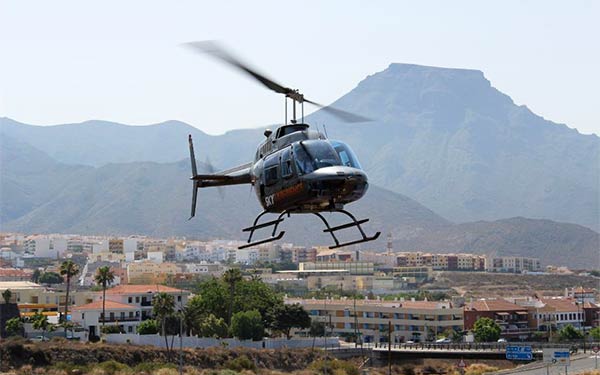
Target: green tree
(104, 276)
(148, 327)
(212, 326)
(51, 278)
(486, 330)
(212, 297)
(7, 295)
(41, 322)
(35, 276)
(14, 327)
(68, 269)
(163, 306)
(595, 333)
(232, 276)
(569, 333)
(247, 325)
(256, 295)
(286, 317)
(317, 329)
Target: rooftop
(561, 304)
(139, 289)
(19, 285)
(425, 305)
(493, 305)
(109, 305)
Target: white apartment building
(155, 256)
(411, 320)
(512, 264)
(46, 246)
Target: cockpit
(311, 155)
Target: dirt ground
(483, 284)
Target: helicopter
(296, 170)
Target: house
(512, 318)
(126, 306)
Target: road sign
(519, 353)
(557, 356)
(596, 349)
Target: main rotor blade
(214, 49)
(342, 115)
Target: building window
(137, 299)
(130, 329)
(130, 299)
(178, 298)
(82, 316)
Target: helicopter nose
(342, 183)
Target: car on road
(502, 340)
(443, 340)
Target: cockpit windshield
(347, 157)
(314, 154)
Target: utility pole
(389, 347)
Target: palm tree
(68, 269)
(104, 276)
(163, 306)
(232, 276)
(7, 295)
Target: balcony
(146, 303)
(118, 319)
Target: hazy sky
(71, 61)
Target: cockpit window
(314, 154)
(345, 154)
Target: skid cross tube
(354, 223)
(255, 226)
(328, 229)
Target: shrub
(150, 367)
(166, 371)
(334, 367)
(111, 367)
(148, 327)
(112, 329)
(240, 363)
(479, 369)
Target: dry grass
(479, 284)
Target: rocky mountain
(40, 195)
(444, 137)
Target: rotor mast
(296, 98)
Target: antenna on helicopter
(325, 130)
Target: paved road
(578, 366)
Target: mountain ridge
(443, 136)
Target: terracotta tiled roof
(561, 304)
(139, 289)
(15, 272)
(110, 305)
(493, 305)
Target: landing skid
(329, 229)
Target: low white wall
(206, 342)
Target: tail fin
(194, 174)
